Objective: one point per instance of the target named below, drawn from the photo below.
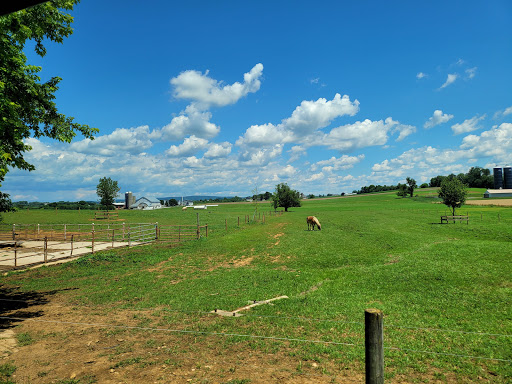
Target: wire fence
(356, 343)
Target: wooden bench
(455, 218)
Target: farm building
(146, 203)
(490, 193)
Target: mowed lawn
(445, 290)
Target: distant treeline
(477, 177)
(376, 188)
(71, 205)
(235, 199)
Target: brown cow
(312, 221)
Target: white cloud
(335, 164)
(218, 150)
(261, 156)
(359, 135)
(312, 115)
(438, 118)
(190, 122)
(471, 72)
(200, 88)
(468, 125)
(421, 75)
(296, 152)
(450, 80)
(266, 134)
(306, 119)
(496, 143)
(507, 111)
(132, 140)
(189, 146)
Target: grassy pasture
(445, 289)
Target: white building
(498, 193)
(146, 203)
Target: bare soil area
(53, 342)
(498, 202)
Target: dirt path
(55, 341)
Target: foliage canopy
(285, 197)
(453, 192)
(107, 190)
(27, 106)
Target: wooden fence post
(72, 238)
(238, 220)
(156, 230)
(179, 233)
(14, 231)
(92, 240)
(65, 232)
(374, 346)
(15, 254)
(45, 249)
(206, 230)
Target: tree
(27, 105)
(107, 190)
(173, 202)
(453, 192)
(402, 190)
(412, 184)
(285, 197)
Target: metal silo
(498, 178)
(507, 178)
(127, 200)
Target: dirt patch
(83, 344)
(498, 202)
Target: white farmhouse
(146, 203)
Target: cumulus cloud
(468, 125)
(421, 75)
(307, 118)
(190, 146)
(438, 118)
(261, 156)
(202, 89)
(361, 134)
(218, 150)
(497, 143)
(335, 164)
(190, 122)
(296, 152)
(507, 111)
(449, 80)
(132, 140)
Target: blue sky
(223, 97)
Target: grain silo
(507, 178)
(129, 199)
(498, 178)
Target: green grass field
(445, 290)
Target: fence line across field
(373, 345)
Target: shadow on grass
(15, 305)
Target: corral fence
(30, 244)
(23, 245)
(180, 233)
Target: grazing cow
(312, 221)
